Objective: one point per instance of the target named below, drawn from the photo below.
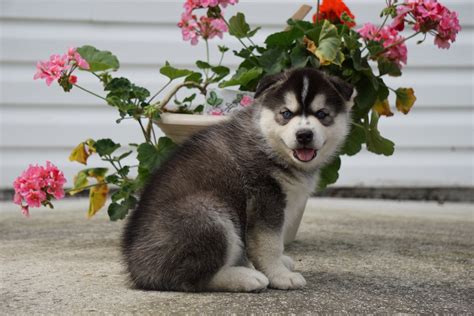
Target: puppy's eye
(321, 114)
(287, 114)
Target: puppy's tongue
(305, 154)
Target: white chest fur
(297, 193)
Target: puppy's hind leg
(231, 278)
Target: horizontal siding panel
(28, 44)
(419, 129)
(416, 168)
(158, 11)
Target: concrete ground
(358, 256)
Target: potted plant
(330, 42)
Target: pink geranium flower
(207, 28)
(429, 16)
(246, 101)
(191, 5)
(392, 41)
(37, 185)
(217, 112)
(60, 65)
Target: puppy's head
(304, 115)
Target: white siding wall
(434, 142)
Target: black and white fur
(214, 216)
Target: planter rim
(190, 119)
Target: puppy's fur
(214, 216)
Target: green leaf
(221, 72)
(242, 77)
(238, 26)
(147, 156)
(300, 24)
(284, 39)
(112, 179)
(118, 211)
(375, 48)
(98, 60)
(123, 156)
(351, 40)
(365, 99)
(202, 64)
(174, 73)
(329, 45)
(329, 174)
(299, 57)
(223, 48)
(105, 146)
(194, 77)
(80, 181)
(375, 142)
(150, 157)
(253, 32)
(354, 141)
(166, 146)
(124, 171)
(387, 67)
(274, 60)
(119, 87)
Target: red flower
(332, 11)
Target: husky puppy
(214, 216)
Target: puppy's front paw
(287, 281)
(288, 262)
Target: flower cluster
(335, 11)
(429, 16)
(37, 185)
(392, 41)
(60, 66)
(206, 27)
(193, 28)
(191, 5)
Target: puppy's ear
(345, 89)
(269, 82)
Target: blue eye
(321, 114)
(287, 115)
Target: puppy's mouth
(304, 154)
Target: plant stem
(161, 104)
(149, 127)
(383, 24)
(90, 92)
(161, 90)
(153, 133)
(317, 12)
(143, 129)
(356, 124)
(86, 187)
(206, 71)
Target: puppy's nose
(304, 137)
